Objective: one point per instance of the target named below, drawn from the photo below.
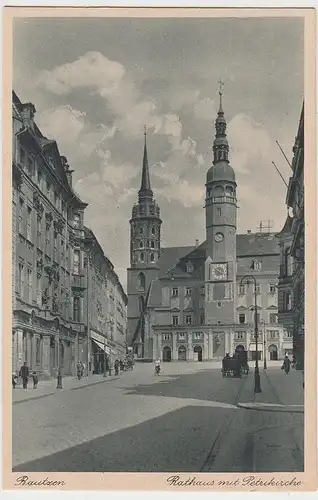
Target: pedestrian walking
(116, 367)
(14, 380)
(35, 380)
(24, 374)
(286, 365)
(157, 366)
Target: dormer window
(76, 220)
(189, 267)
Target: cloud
(62, 123)
(249, 142)
(92, 70)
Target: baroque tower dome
(221, 169)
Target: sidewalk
(279, 391)
(48, 387)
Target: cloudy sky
(96, 82)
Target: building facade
(47, 252)
(105, 306)
(292, 245)
(189, 304)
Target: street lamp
(104, 375)
(257, 380)
(59, 373)
(264, 343)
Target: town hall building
(188, 303)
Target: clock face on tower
(218, 272)
(218, 237)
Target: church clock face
(218, 237)
(218, 272)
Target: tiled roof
(256, 244)
(169, 257)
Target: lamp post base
(257, 382)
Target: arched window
(152, 257)
(142, 257)
(141, 281)
(218, 191)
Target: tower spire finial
(145, 189)
(221, 83)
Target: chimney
(196, 243)
(249, 231)
(28, 112)
(67, 169)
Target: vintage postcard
(159, 190)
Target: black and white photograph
(158, 245)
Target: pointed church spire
(145, 188)
(220, 145)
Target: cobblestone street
(187, 419)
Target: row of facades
(68, 304)
(292, 250)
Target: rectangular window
(166, 336)
(76, 309)
(198, 335)
(189, 320)
(29, 224)
(272, 289)
(38, 225)
(181, 336)
(239, 335)
(241, 318)
(39, 178)
(48, 190)
(273, 318)
(241, 289)
(38, 290)
(258, 318)
(201, 319)
(202, 290)
(21, 280)
(258, 289)
(76, 262)
(56, 199)
(218, 211)
(257, 265)
(21, 207)
(288, 301)
(273, 334)
(188, 291)
(175, 320)
(29, 285)
(76, 220)
(175, 292)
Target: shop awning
(252, 347)
(102, 346)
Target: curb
(272, 407)
(57, 391)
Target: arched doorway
(239, 348)
(182, 353)
(273, 355)
(166, 353)
(198, 350)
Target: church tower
(145, 226)
(220, 210)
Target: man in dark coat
(24, 374)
